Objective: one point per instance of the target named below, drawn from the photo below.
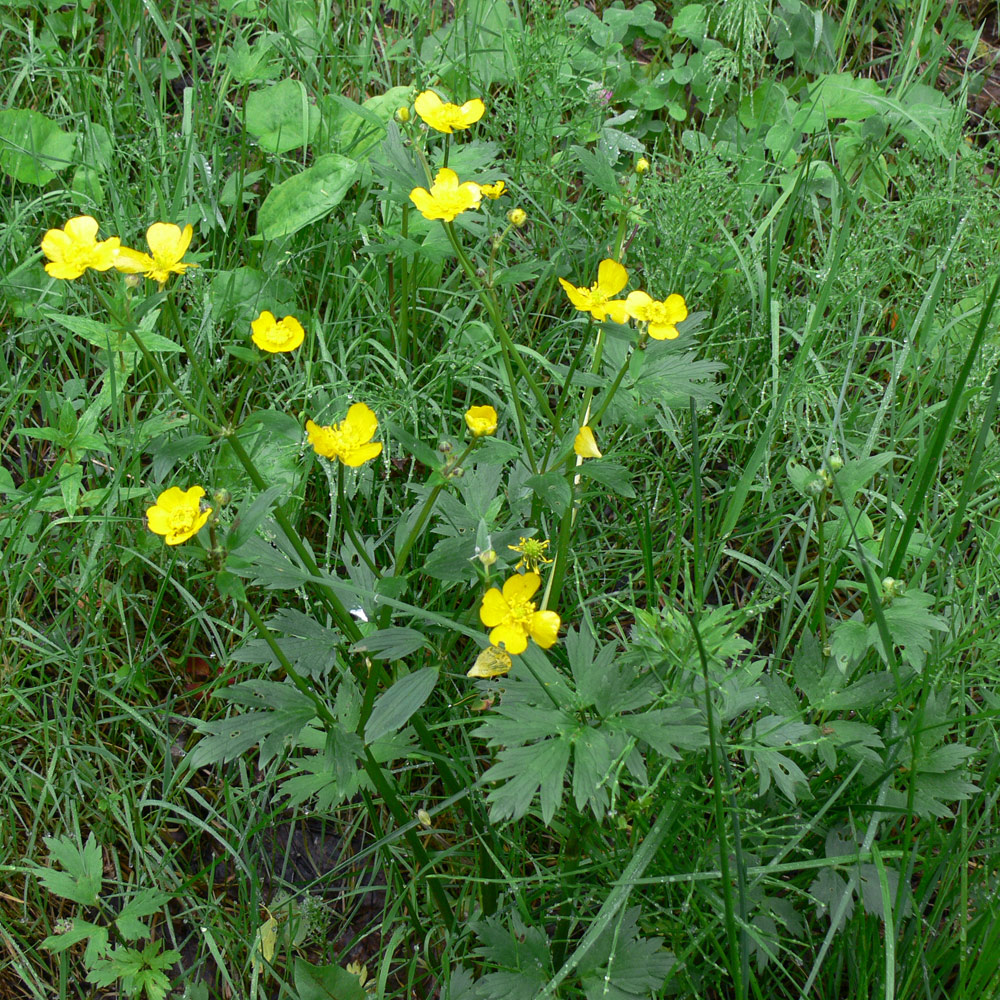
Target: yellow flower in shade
(178, 514)
(350, 440)
(491, 662)
(168, 244)
(599, 300)
(662, 317)
(481, 420)
(447, 117)
(585, 444)
(641, 165)
(493, 191)
(532, 553)
(275, 336)
(517, 217)
(74, 248)
(512, 617)
(446, 198)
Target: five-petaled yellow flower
(481, 420)
(585, 444)
(178, 514)
(599, 300)
(74, 248)
(350, 440)
(446, 198)
(532, 553)
(493, 191)
(512, 617)
(662, 317)
(274, 336)
(168, 244)
(447, 117)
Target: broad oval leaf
(33, 147)
(306, 197)
(281, 117)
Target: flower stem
(348, 522)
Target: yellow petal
(427, 103)
(611, 277)
(362, 421)
(130, 261)
(491, 662)
(585, 445)
(520, 587)
(364, 453)
(425, 203)
(158, 520)
(544, 628)
(617, 310)
(580, 297)
(472, 111)
(446, 180)
(635, 302)
(82, 229)
(677, 307)
(514, 639)
(168, 242)
(494, 608)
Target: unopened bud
(642, 165)
(403, 114)
(835, 462)
(222, 498)
(488, 557)
(517, 217)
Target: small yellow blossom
(350, 440)
(447, 117)
(275, 336)
(512, 617)
(585, 444)
(446, 198)
(74, 248)
(662, 317)
(641, 165)
(481, 420)
(491, 662)
(532, 553)
(168, 244)
(493, 191)
(403, 114)
(178, 515)
(517, 217)
(599, 300)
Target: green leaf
(81, 930)
(326, 982)
(281, 117)
(33, 147)
(552, 489)
(225, 739)
(526, 771)
(614, 475)
(394, 707)
(142, 904)
(306, 197)
(250, 514)
(83, 875)
(391, 643)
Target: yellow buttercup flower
(178, 514)
(350, 440)
(532, 553)
(168, 244)
(662, 317)
(74, 248)
(512, 617)
(481, 420)
(493, 191)
(585, 444)
(275, 336)
(641, 165)
(599, 300)
(446, 198)
(447, 117)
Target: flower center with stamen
(520, 613)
